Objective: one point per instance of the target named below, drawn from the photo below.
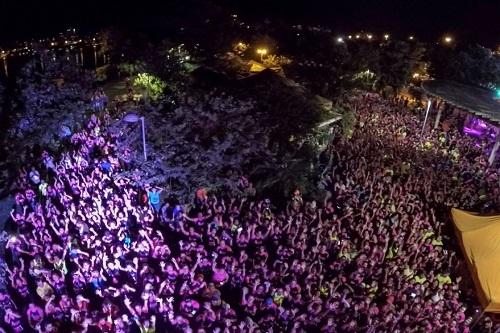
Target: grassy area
(115, 88)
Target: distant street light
(386, 36)
(133, 118)
(448, 39)
(369, 36)
(357, 36)
(262, 53)
(410, 38)
(340, 40)
(350, 36)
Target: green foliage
(318, 139)
(151, 86)
(124, 46)
(364, 56)
(374, 66)
(207, 141)
(287, 109)
(131, 69)
(365, 79)
(348, 123)
(291, 116)
(273, 60)
(101, 73)
(398, 61)
(2, 96)
(210, 26)
(293, 171)
(475, 65)
(319, 63)
(326, 66)
(210, 139)
(175, 64)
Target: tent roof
(480, 241)
(478, 101)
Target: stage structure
(481, 105)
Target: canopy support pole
(438, 117)
(477, 320)
(495, 149)
(426, 116)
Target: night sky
(470, 20)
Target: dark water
(86, 56)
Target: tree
(209, 140)
(290, 110)
(290, 114)
(365, 79)
(131, 69)
(398, 61)
(274, 60)
(439, 58)
(364, 56)
(53, 92)
(3, 139)
(319, 62)
(475, 65)
(2, 97)
(348, 123)
(124, 46)
(174, 64)
(151, 87)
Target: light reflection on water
(87, 56)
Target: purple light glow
(479, 128)
(473, 132)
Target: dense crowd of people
(99, 100)
(97, 252)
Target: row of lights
(262, 51)
(18, 50)
(369, 36)
(446, 39)
(358, 36)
